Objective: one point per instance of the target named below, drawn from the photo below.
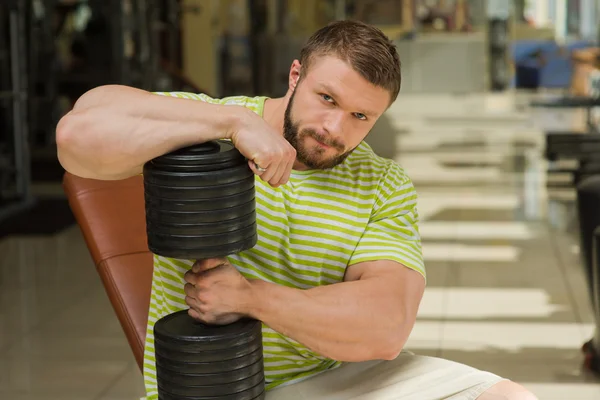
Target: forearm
(113, 130)
(349, 321)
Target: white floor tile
(457, 252)
(431, 202)
(459, 230)
(514, 336)
(477, 303)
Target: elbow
(72, 146)
(64, 130)
(375, 348)
(392, 342)
(391, 351)
(65, 140)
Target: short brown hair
(366, 48)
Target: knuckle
(203, 308)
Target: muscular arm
(113, 130)
(368, 316)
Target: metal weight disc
(201, 229)
(197, 179)
(186, 379)
(159, 216)
(207, 355)
(201, 155)
(199, 205)
(255, 393)
(226, 389)
(215, 367)
(252, 339)
(209, 185)
(204, 252)
(203, 241)
(198, 193)
(180, 327)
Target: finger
(194, 314)
(288, 165)
(190, 277)
(206, 264)
(256, 168)
(190, 290)
(285, 176)
(285, 170)
(278, 175)
(267, 175)
(192, 303)
(205, 318)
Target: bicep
(404, 286)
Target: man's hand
(270, 155)
(216, 292)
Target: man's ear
(294, 77)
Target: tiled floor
(505, 292)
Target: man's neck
(274, 112)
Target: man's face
(331, 110)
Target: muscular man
(337, 274)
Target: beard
(311, 156)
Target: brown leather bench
(111, 215)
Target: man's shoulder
(255, 103)
(365, 162)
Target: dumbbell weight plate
(203, 252)
(208, 153)
(239, 396)
(199, 205)
(215, 367)
(184, 242)
(199, 217)
(196, 179)
(185, 379)
(208, 355)
(197, 193)
(251, 384)
(194, 167)
(202, 229)
(255, 393)
(180, 328)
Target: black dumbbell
(200, 203)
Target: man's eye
(327, 98)
(360, 116)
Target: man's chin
(312, 163)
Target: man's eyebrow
(325, 87)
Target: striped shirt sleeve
(392, 232)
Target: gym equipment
(591, 348)
(582, 147)
(200, 203)
(588, 207)
(15, 176)
(585, 102)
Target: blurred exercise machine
(53, 51)
(584, 149)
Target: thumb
(206, 264)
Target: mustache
(324, 139)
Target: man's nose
(334, 125)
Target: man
(337, 274)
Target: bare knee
(507, 390)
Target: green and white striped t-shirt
(309, 231)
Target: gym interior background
(496, 124)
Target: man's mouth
(321, 143)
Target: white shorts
(408, 377)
